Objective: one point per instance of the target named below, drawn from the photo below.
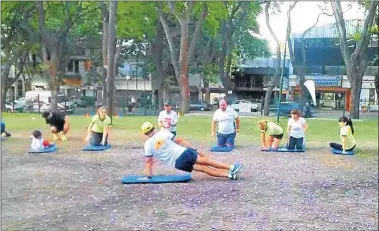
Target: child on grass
(37, 141)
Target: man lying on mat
(178, 154)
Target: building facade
(325, 65)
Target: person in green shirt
(274, 133)
(346, 134)
(98, 129)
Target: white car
(12, 107)
(254, 105)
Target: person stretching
(98, 128)
(296, 130)
(59, 122)
(225, 117)
(346, 134)
(274, 132)
(178, 153)
(168, 118)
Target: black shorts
(186, 160)
(279, 137)
(59, 126)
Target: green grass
(198, 128)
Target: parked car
(12, 107)
(77, 102)
(20, 101)
(286, 107)
(40, 101)
(199, 105)
(255, 106)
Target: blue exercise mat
(96, 148)
(217, 148)
(157, 179)
(51, 148)
(340, 152)
(282, 149)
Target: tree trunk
(377, 83)
(111, 55)
(54, 79)
(183, 69)
(355, 86)
(104, 49)
(275, 78)
(157, 55)
(268, 94)
(207, 91)
(4, 90)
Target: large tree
(240, 18)
(17, 41)
(183, 12)
(300, 67)
(273, 82)
(55, 20)
(355, 61)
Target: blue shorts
(186, 160)
(226, 139)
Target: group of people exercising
(180, 154)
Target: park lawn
(197, 129)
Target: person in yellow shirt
(98, 128)
(274, 134)
(346, 134)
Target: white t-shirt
(37, 144)
(163, 147)
(225, 120)
(297, 127)
(171, 118)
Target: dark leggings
(339, 147)
(96, 139)
(295, 142)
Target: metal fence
(40, 102)
(326, 109)
(144, 105)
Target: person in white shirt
(178, 153)
(228, 124)
(168, 118)
(37, 141)
(296, 130)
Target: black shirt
(56, 119)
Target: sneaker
(64, 138)
(7, 134)
(231, 175)
(55, 137)
(236, 168)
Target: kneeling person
(177, 153)
(228, 124)
(98, 129)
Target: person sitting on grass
(3, 132)
(178, 153)
(274, 134)
(346, 134)
(38, 142)
(98, 129)
(59, 122)
(228, 125)
(296, 130)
